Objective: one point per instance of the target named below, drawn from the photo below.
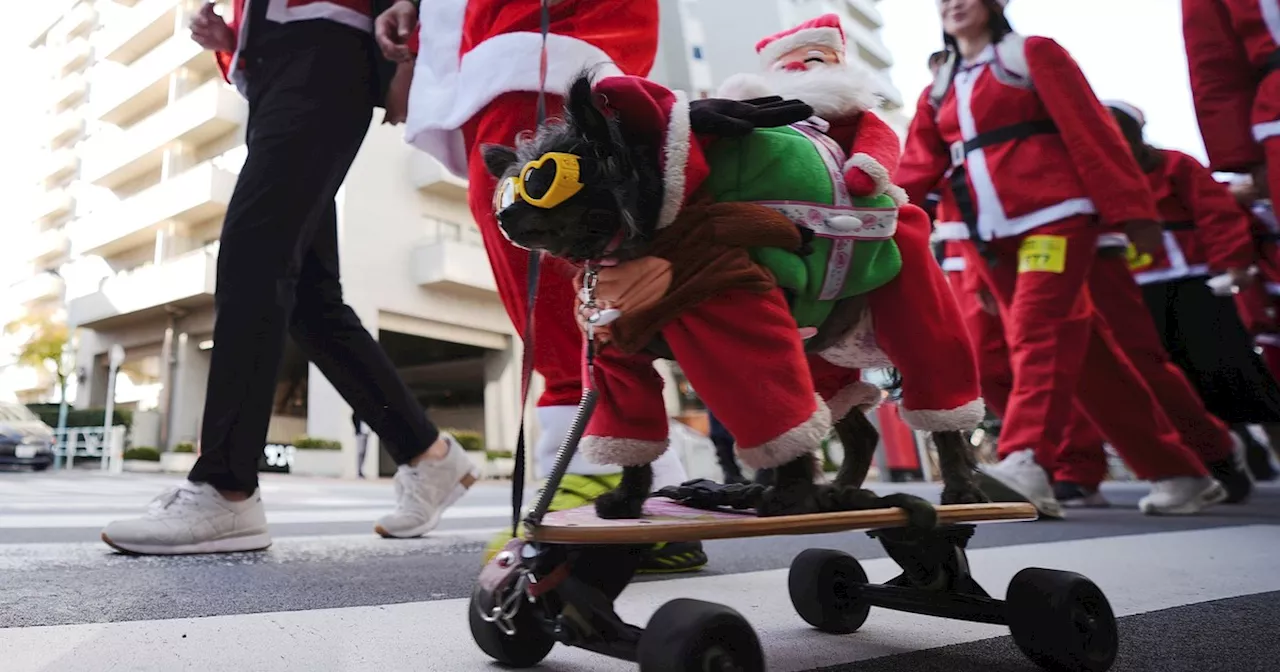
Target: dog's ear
(498, 159)
(585, 112)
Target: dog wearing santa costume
(771, 259)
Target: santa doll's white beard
(833, 91)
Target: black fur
(627, 500)
(624, 196)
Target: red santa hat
(1131, 110)
(824, 31)
(647, 108)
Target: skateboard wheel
(526, 648)
(691, 635)
(824, 590)
(1062, 621)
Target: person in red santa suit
(939, 375)
(1036, 171)
(278, 274)
(1074, 468)
(474, 66)
(1233, 53)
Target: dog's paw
(619, 504)
(963, 494)
(791, 500)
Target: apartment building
(58, 37)
(138, 182)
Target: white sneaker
(192, 518)
(1024, 479)
(425, 491)
(1182, 495)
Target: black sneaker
(1233, 474)
(674, 557)
(1076, 496)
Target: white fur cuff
(879, 174)
(962, 418)
(675, 160)
(802, 439)
(861, 395)
(743, 86)
(622, 452)
(898, 194)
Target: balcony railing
(143, 27)
(66, 128)
(209, 112)
(45, 244)
(194, 196)
(37, 288)
(453, 258)
(71, 57)
(68, 91)
(78, 22)
(186, 280)
(58, 165)
(430, 176)
(122, 93)
(52, 205)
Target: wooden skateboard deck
(667, 520)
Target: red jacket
(354, 13)
(1206, 231)
(1022, 184)
(1228, 43)
(477, 50)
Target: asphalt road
(1194, 593)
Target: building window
(697, 53)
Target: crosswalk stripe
(276, 517)
(1139, 574)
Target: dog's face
(609, 210)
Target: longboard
(667, 520)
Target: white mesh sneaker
(1019, 477)
(425, 491)
(189, 519)
(1183, 495)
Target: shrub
(80, 417)
(498, 454)
(185, 447)
(146, 453)
(311, 443)
(470, 441)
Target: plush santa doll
(913, 323)
(808, 63)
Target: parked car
(24, 439)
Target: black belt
(1178, 226)
(959, 156)
(1272, 63)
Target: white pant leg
(554, 423)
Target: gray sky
(1131, 50)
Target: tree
(44, 346)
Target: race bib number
(1046, 254)
(1136, 261)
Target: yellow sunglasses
(545, 182)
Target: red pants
(1061, 346)
(1076, 456)
(742, 353)
(1119, 299)
(557, 349)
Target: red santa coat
(354, 13)
(476, 50)
(1083, 169)
(1229, 43)
(1205, 233)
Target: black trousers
(1206, 339)
(311, 98)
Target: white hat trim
(825, 36)
(678, 144)
(1127, 109)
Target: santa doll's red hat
(823, 31)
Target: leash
(535, 259)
